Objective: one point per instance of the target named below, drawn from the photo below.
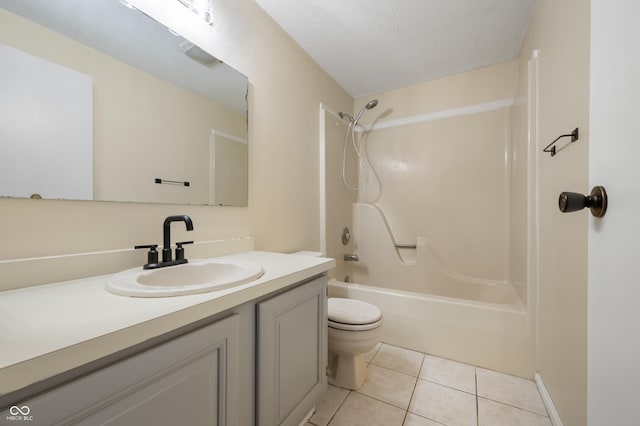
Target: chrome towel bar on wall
(171, 182)
(551, 148)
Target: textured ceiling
(369, 46)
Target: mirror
(101, 102)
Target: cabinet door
(190, 380)
(292, 353)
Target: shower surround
(441, 230)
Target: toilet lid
(350, 311)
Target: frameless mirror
(101, 102)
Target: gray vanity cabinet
(291, 353)
(264, 363)
(191, 380)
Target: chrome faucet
(152, 257)
(351, 258)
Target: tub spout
(351, 258)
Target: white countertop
(49, 329)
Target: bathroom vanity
(252, 354)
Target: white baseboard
(308, 416)
(548, 402)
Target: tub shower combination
(428, 304)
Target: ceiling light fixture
(127, 4)
(202, 8)
(199, 55)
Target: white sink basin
(198, 276)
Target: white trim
(212, 165)
(548, 402)
(507, 171)
(534, 174)
(105, 252)
(439, 115)
(212, 159)
(215, 132)
(62, 256)
(308, 416)
(322, 177)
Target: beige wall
(286, 89)
(560, 30)
(338, 199)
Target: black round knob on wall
(596, 201)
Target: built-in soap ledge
(20, 273)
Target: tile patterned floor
(409, 388)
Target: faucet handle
(180, 250)
(152, 256)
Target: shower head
(370, 105)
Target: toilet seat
(354, 327)
(352, 315)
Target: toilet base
(349, 371)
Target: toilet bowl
(354, 329)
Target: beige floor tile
(360, 410)
(443, 404)
(328, 405)
(369, 355)
(389, 386)
(416, 420)
(399, 359)
(436, 391)
(491, 413)
(510, 390)
(449, 373)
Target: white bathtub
(497, 336)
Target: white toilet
(354, 329)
